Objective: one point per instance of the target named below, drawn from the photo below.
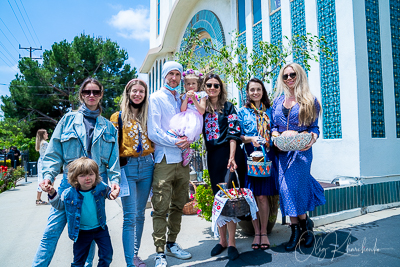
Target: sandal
(255, 245)
(264, 246)
(138, 262)
(41, 202)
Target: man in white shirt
(170, 178)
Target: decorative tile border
(298, 18)
(375, 69)
(330, 89)
(395, 33)
(276, 36)
(242, 93)
(257, 37)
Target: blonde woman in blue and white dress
(41, 146)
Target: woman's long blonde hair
(222, 97)
(39, 138)
(308, 111)
(127, 114)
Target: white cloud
(132, 23)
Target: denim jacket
(71, 201)
(68, 143)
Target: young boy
(84, 203)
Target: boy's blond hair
(83, 166)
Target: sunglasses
(90, 92)
(209, 85)
(286, 76)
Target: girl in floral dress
(189, 122)
(41, 146)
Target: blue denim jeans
(84, 243)
(139, 173)
(55, 226)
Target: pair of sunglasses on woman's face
(291, 75)
(209, 85)
(91, 92)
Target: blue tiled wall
(375, 69)
(298, 18)
(257, 37)
(276, 36)
(242, 93)
(395, 33)
(330, 89)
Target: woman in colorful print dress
(296, 109)
(222, 138)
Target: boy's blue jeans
(139, 173)
(83, 244)
(55, 226)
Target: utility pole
(30, 51)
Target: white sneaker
(177, 252)
(161, 260)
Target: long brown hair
(308, 111)
(264, 99)
(86, 82)
(39, 138)
(82, 166)
(222, 97)
(127, 114)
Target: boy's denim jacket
(68, 143)
(71, 201)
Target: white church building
(359, 90)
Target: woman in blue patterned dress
(296, 109)
(255, 122)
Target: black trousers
(85, 239)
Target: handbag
(259, 169)
(122, 160)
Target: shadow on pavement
(326, 246)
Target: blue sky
(123, 21)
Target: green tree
(43, 93)
(234, 63)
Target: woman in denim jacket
(82, 133)
(137, 165)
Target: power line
(19, 22)
(30, 22)
(6, 50)
(7, 63)
(24, 21)
(9, 41)
(9, 31)
(31, 49)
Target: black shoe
(217, 250)
(294, 238)
(307, 234)
(233, 253)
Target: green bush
(205, 198)
(10, 178)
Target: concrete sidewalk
(22, 224)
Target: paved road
(368, 240)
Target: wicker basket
(293, 143)
(189, 208)
(236, 207)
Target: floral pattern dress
(218, 130)
(42, 151)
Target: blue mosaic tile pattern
(395, 33)
(298, 17)
(276, 36)
(330, 89)
(375, 69)
(206, 20)
(257, 38)
(242, 93)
